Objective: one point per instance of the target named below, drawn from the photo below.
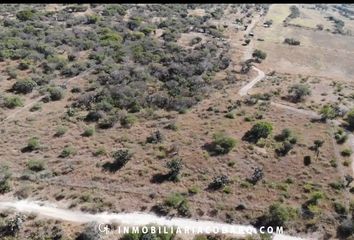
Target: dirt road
(128, 219)
(244, 90)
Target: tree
(175, 166)
(121, 157)
(349, 179)
(317, 144)
(258, 131)
(298, 92)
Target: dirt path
(244, 90)
(129, 219)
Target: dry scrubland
(137, 108)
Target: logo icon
(104, 228)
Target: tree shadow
(26, 149)
(249, 137)
(112, 167)
(160, 178)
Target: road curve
(244, 90)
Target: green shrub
(61, 130)
(26, 15)
(92, 19)
(56, 93)
(350, 118)
(193, 190)
(24, 65)
(294, 12)
(339, 208)
(13, 101)
(175, 166)
(333, 163)
(107, 122)
(341, 136)
(346, 152)
(35, 165)
(172, 126)
(328, 112)
(286, 134)
(88, 132)
(291, 41)
(258, 131)
(178, 202)
(100, 151)
(219, 182)
(298, 92)
(24, 86)
(221, 144)
(279, 215)
(67, 151)
(230, 115)
(227, 190)
(284, 148)
(36, 107)
(33, 144)
(128, 120)
(338, 185)
(259, 54)
(5, 179)
(121, 157)
(155, 137)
